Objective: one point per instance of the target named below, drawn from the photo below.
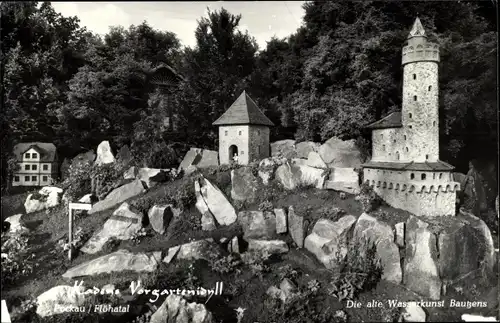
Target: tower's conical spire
(417, 29)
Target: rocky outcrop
(257, 224)
(119, 195)
(296, 227)
(217, 203)
(268, 166)
(399, 231)
(122, 225)
(15, 224)
(338, 153)
(270, 246)
(315, 160)
(292, 176)
(344, 180)
(57, 299)
(152, 176)
(281, 221)
(200, 158)
(244, 185)
(305, 147)
(284, 148)
(120, 260)
(200, 249)
(160, 217)
(177, 309)
(48, 197)
(368, 231)
(131, 173)
(104, 154)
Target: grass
(242, 289)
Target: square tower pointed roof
(243, 111)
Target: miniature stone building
(405, 169)
(243, 132)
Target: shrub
(266, 206)
(288, 272)
(368, 198)
(78, 182)
(224, 265)
(257, 261)
(332, 213)
(17, 258)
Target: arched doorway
(233, 151)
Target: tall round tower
(420, 96)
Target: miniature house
(243, 132)
(405, 169)
(37, 164)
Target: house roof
(46, 150)
(425, 166)
(393, 120)
(243, 111)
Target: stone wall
(234, 135)
(259, 142)
(420, 111)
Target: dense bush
(368, 198)
(17, 258)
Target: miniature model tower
(405, 169)
(243, 132)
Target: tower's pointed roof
(417, 29)
(243, 111)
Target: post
(70, 235)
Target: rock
(299, 162)
(244, 185)
(281, 221)
(190, 170)
(304, 148)
(131, 173)
(315, 243)
(413, 313)
(119, 195)
(160, 217)
(292, 176)
(104, 154)
(399, 229)
(421, 260)
(288, 288)
(117, 261)
(201, 158)
(218, 204)
(344, 180)
(194, 250)
(177, 309)
(172, 252)
(257, 224)
(296, 227)
(87, 198)
(57, 299)
(122, 225)
(314, 160)
(152, 176)
(338, 153)
(284, 148)
(208, 222)
(124, 155)
(82, 159)
(235, 246)
(48, 197)
(368, 229)
(270, 246)
(275, 292)
(191, 158)
(207, 219)
(15, 224)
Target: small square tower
(243, 132)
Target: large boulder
(268, 166)
(368, 231)
(177, 309)
(296, 227)
(270, 246)
(284, 148)
(292, 176)
(122, 225)
(160, 217)
(281, 221)
(305, 147)
(104, 154)
(15, 224)
(200, 249)
(117, 261)
(119, 195)
(344, 180)
(217, 203)
(207, 219)
(131, 173)
(421, 260)
(244, 185)
(200, 158)
(339, 153)
(60, 299)
(152, 176)
(47, 197)
(315, 160)
(257, 224)
(124, 155)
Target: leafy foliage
(17, 258)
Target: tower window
(383, 147)
(414, 98)
(239, 133)
(397, 155)
(434, 123)
(409, 115)
(406, 149)
(422, 176)
(381, 135)
(414, 76)
(412, 176)
(426, 156)
(434, 176)
(440, 175)
(405, 137)
(430, 88)
(410, 126)
(225, 133)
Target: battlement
(420, 52)
(452, 187)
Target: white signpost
(74, 206)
